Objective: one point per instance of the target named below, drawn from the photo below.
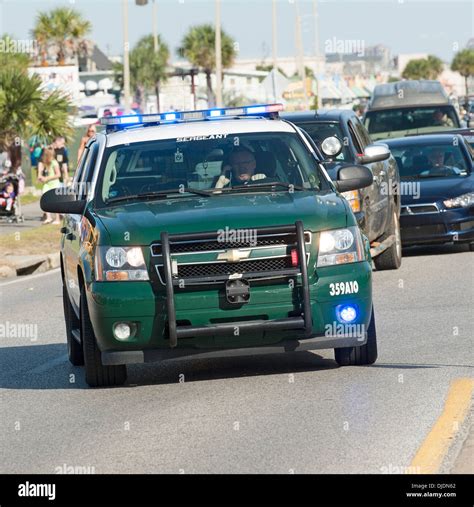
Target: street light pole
(218, 50)
(155, 27)
(317, 70)
(274, 47)
(126, 63)
(300, 54)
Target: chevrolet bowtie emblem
(234, 255)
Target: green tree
(63, 30)
(25, 110)
(147, 68)
(423, 68)
(10, 58)
(198, 48)
(463, 63)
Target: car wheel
(392, 257)
(363, 355)
(74, 348)
(97, 375)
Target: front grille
(422, 231)
(207, 245)
(419, 208)
(213, 269)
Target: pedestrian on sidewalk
(61, 155)
(49, 173)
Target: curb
(12, 266)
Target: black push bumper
(302, 322)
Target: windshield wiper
(287, 186)
(159, 194)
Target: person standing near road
(61, 156)
(91, 131)
(49, 173)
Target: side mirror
(58, 200)
(353, 177)
(374, 153)
(331, 146)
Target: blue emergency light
(130, 120)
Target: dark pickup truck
(342, 138)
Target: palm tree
(423, 68)
(147, 68)
(26, 110)
(463, 63)
(198, 47)
(63, 30)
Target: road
(276, 414)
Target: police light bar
(180, 116)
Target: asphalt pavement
(297, 413)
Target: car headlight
(340, 246)
(462, 201)
(119, 264)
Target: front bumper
(445, 226)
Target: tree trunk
(211, 99)
(466, 100)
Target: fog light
(346, 313)
(122, 331)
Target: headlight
(340, 246)
(120, 264)
(462, 201)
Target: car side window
(362, 132)
(80, 167)
(355, 139)
(87, 172)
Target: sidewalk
(32, 214)
(464, 463)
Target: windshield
(319, 131)
(403, 121)
(429, 160)
(208, 165)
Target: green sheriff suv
(210, 233)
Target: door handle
(64, 230)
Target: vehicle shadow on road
(196, 370)
(416, 251)
(39, 366)
(47, 367)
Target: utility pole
(316, 52)
(126, 63)
(300, 54)
(218, 50)
(274, 47)
(155, 27)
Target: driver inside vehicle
(240, 168)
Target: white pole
(218, 48)
(300, 52)
(274, 47)
(317, 55)
(126, 63)
(155, 27)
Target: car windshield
(403, 121)
(319, 131)
(208, 165)
(429, 160)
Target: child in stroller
(11, 185)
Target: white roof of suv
(191, 129)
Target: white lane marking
(49, 364)
(28, 278)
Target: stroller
(12, 213)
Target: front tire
(74, 348)
(97, 375)
(392, 257)
(363, 355)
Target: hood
(145, 220)
(435, 189)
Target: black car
(376, 208)
(437, 187)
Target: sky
(437, 27)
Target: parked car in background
(376, 208)
(409, 107)
(442, 210)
